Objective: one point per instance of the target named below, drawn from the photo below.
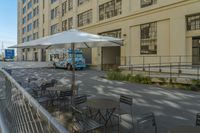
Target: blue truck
(67, 61)
(9, 55)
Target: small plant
(117, 75)
(194, 87)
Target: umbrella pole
(73, 68)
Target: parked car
(66, 62)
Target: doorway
(196, 50)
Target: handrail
(51, 120)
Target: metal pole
(170, 80)
(143, 63)
(198, 73)
(73, 68)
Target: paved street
(171, 107)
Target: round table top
(58, 88)
(185, 129)
(102, 103)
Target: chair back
(147, 124)
(66, 93)
(198, 119)
(126, 100)
(77, 114)
(80, 99)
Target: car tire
(69, 67)
(54, 65)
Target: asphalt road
(171, 107)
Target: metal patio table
(54, 91)
(102, 104)
(185, 129)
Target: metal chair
(124, 100)
(147, 124)
(65, 97)
(198, 119)
(82, 124)
(78, 102)
(40, 99)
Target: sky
(8, 23)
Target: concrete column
(39, 55)
(74, 14)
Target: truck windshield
(76, 56)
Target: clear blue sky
(8, 22)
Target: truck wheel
(69, 67)
(54, 65)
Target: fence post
(143, 63)
(170, 80)
(129, 63)
(160, 64)
(179, 65)
(149, 70)
(198, 73)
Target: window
(23, 39)
(35, 1)
(193, 22)
(35, 35)
(64, 8)
(53, 1)
(24, 30)
(148, 38)
(70, 5)
(24, 20)
(54, 13)
(70, 23)
(54, 29)
(114, 33)
(24, 10)
(23, 1)
(64, 25)
(29, 27)
(35, 24)
(43, 32)
(85, 18)
(29, 4)
(43, 20)
(145, 3)
(36, 11)
(29, 16)
(80, 2)
(110, 9)
(29, 38)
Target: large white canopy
(80, 39)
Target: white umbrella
(73, 39)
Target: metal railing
(170, 71)
(20, 112)
(158, 60)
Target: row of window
(66, 25)
(67, 6)
(54, 12)
(31, 15)
(148, 38)
(30, 37)
(29, 5)
(31, 26)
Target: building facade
(149, 28)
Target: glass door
(196, 51)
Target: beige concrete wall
(172, 37)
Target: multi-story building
(152, 28)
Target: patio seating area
(106, 106)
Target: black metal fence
(20, 112)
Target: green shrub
(117, 75)
(194, 87)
